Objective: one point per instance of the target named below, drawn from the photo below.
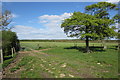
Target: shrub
(9, 40)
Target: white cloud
(53, 18)
(50, 17)
(51, 28)
(53, 22)
(113, 1)
(27, 32)
(44, 21)
(14, 15)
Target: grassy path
(16, 73)
(40, 65)
(7, 73)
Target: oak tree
(101, 10)
(94, 24)
(86, 27)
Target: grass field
(64, 60)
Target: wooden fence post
(1, 53)
(12, 51)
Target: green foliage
(100, 9)
(82, 25)
(119, 34)
(116, 18)
(96, 25)
(9, 40)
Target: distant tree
(87, 27)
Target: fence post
(12, 51)
(1, 56)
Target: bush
(9, 40)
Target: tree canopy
(100, 9)
(81, 25)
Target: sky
(42, 20)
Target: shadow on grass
(7, 57)
(113, 47)
(83, 49)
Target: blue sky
(41, 20)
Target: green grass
(8, 61)
(24, 61)
(43, 45)
(100, 63)
(14, 69)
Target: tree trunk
(87, 45)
